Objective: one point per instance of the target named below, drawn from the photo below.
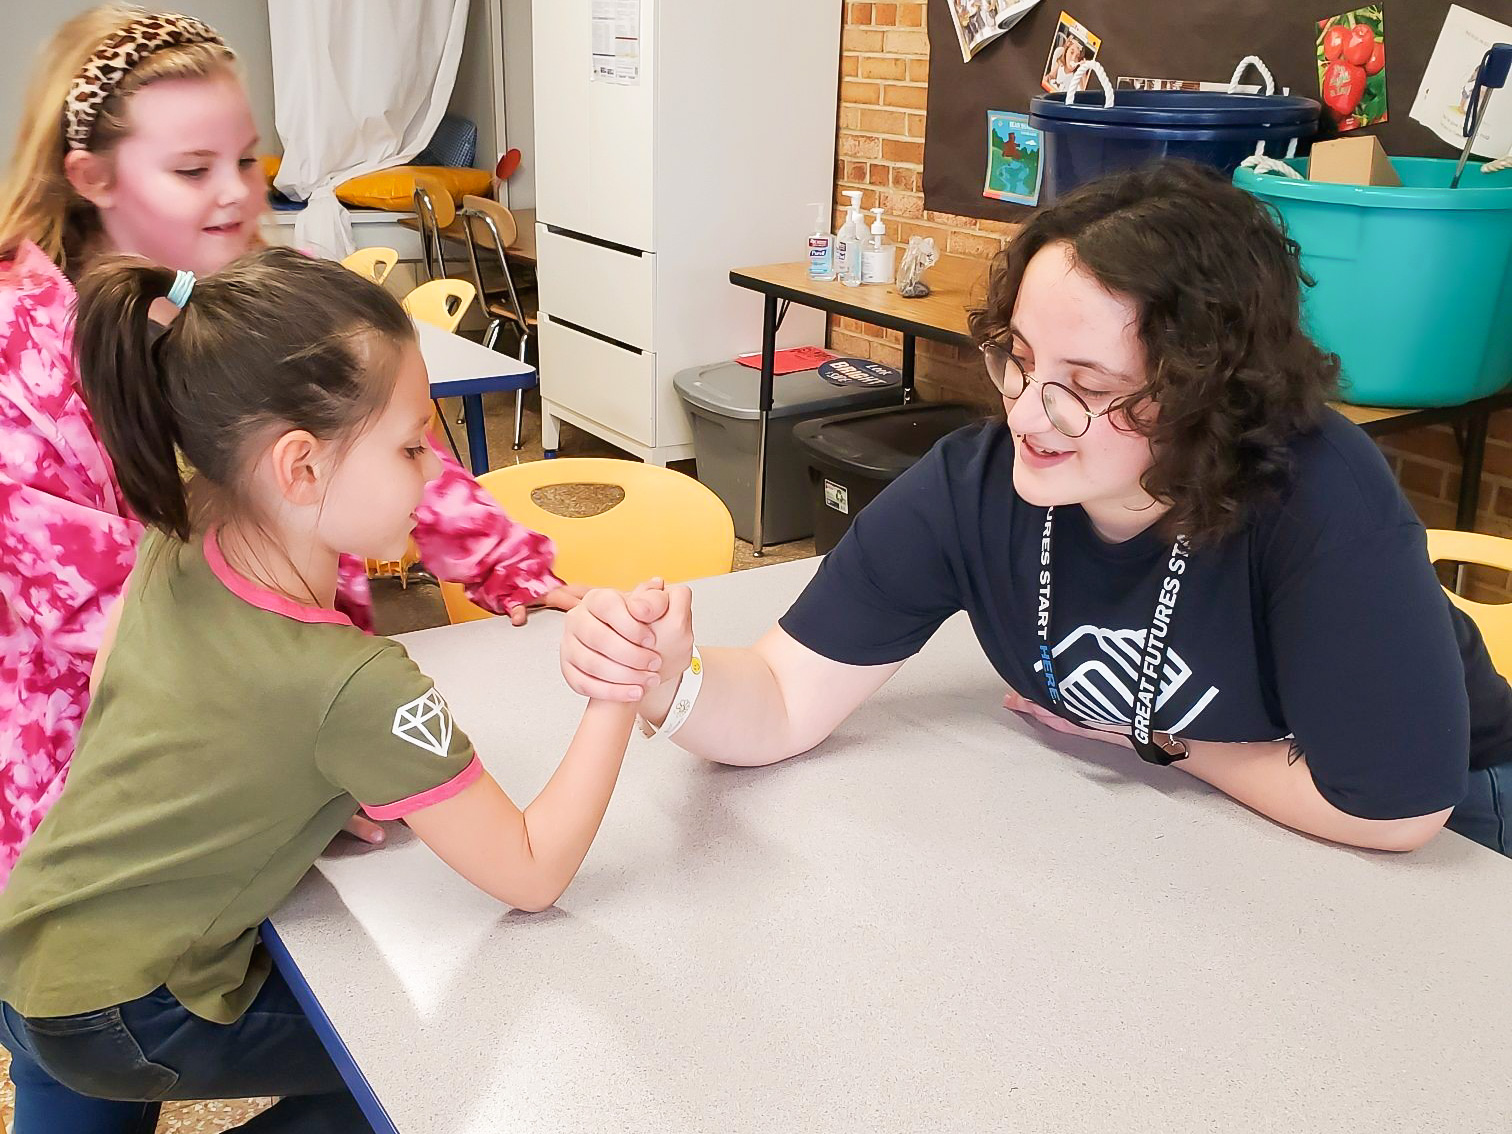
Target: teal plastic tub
(1414, 284)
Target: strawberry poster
(1352, 67)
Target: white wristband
(682, 701)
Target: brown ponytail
(125, 388)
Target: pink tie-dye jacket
(68, 540)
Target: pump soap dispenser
(851, 242)
(879, 255)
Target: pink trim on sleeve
(402, 807)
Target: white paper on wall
(1450, 79)
(617, 41)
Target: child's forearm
(561, 822)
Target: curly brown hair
(1232, 376)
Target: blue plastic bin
(1414, 284)
(1083, 139)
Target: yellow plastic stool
(1493, 619)
(667, 525)
(372, 263)
(442, 303)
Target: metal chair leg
(450, 440)
(520, 394)
(490, 337)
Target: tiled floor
(418, 606)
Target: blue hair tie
(183, 284)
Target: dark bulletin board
(1170, 39)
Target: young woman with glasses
(1169, 543)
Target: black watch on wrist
(1163, 749)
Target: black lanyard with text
(1152, 663)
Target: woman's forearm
(764, 704)
(741, 716)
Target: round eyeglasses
(1064, 407)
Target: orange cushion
(393, 189)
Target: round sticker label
(858, 372)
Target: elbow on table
(534, 905)
(1403, 835)
(774, 752)
(532, 898)
(532, 890)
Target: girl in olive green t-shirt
(239, 721)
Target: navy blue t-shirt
(1321, 620)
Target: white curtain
(358, 86)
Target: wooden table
(460, 368)
(945, 919)
(941, 316)
(1471, 423)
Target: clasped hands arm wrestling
(778, 699)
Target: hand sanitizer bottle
(851, 242)
(878, 256)
(821, 246)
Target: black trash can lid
(882, 443)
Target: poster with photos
(1072, 46)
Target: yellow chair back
(374, 263)
(503, 221)
(1494, 619)
(667, 525)
(434, 201)
(441, 303)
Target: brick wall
(884, 86)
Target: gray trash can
(726, 429)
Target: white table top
(943, 920)
(452, 358)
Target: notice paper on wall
(1450, 80)
(617, 41)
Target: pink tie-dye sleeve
(67, 543)
(65, 563)
(354, 596)
(465, 537)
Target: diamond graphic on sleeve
(426, 723)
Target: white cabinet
(648, 193)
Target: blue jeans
(106, 1072)
(1485, 814)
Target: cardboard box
(1351, 161)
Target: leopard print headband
(115, 58)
